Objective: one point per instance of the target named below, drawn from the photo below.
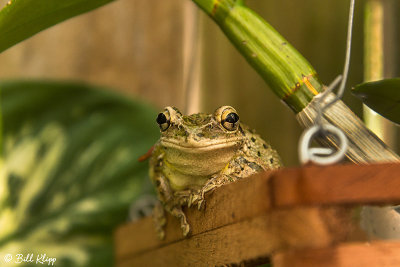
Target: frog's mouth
(190, 158)
(194, 146)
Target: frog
(198, 153)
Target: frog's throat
(193, 146)
(182, 181)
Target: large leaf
(70, 169)
(381, 96)
(22, 19)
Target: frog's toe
(191, 200)
(185, 229)
(196, 198)
(160, 228)
(200, 204)
(161, 234)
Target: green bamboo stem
(373, 40)
(1, 131)
(364, 145)
(374, 66)
(285, 70)
(291, 77)
(378, 222)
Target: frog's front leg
(171, 203)
(159, 219)
(178, 213)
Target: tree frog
(200, 152)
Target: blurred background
(69, 171)
(154, 50)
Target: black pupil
(232, 118)
(161, 119)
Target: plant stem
(191, 59)
(1, 131)
(374, 66)
(285, 70)
(291, 77)
(364, 145)
(378, 222)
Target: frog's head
(200, 142)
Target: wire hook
(321, 155)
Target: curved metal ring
(321, 155)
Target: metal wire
(332, 86)
(320, 155)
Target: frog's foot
(215, 182)
(185, 227)
(182, 198)
(159, 220)
(198, 198)
(177, 212)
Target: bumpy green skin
(284, 69)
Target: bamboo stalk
(286, 71)
(374, 66)
(191, 59)
(291, 77)
(378, 222)
(364, 145)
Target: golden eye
(229, 118)
(164, 120)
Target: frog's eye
(230, 119)
(164, 120)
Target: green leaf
(381, 96)
(20, 20)
(70, 169)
